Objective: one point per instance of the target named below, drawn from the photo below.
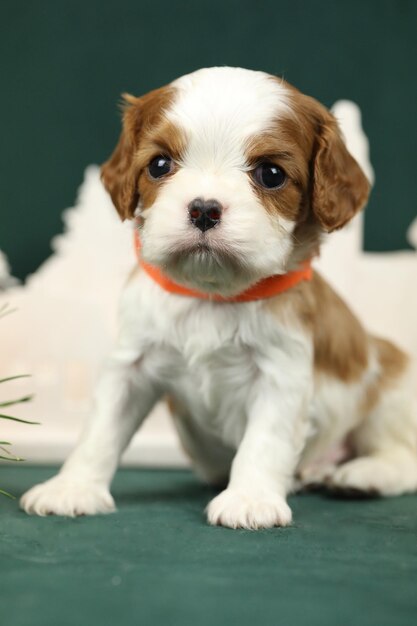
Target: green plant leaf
(16, 419)
(18, 401)
(6, 493)
(5, 443)
(10, 456)
(5, 380)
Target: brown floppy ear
(339, 188)
(118, 173)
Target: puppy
(232, 177)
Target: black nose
(204, 214)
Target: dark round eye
(269, 175)
(160, 166)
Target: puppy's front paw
(237, 509)
(64, 496)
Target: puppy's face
(232, 175)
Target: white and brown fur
(260, 391)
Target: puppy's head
(233, 176)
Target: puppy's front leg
(125, 396)
(264, 464)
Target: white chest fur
(211, 356)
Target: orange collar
(266, 288)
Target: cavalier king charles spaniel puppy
(231, 178)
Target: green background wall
(65, 62)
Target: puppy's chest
(210, 356)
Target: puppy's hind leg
(385, 443)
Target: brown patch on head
(283, 145)
(146, 133)
(288, 143)
(324, 185)
(162, 138)
(338, 188)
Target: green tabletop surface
(157, 562)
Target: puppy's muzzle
(204, 214)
